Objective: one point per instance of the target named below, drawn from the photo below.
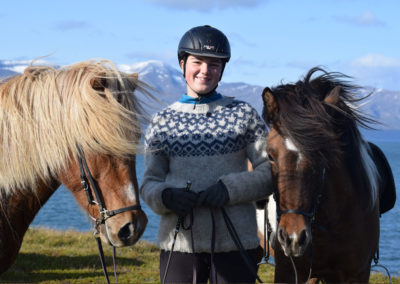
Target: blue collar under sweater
(202, 100)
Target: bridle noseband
(310, 214)
(87, 182)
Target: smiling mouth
(203, 79)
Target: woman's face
(202, 74)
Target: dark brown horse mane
(322, 131)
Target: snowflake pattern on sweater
(227, 130)
(207, 142)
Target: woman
(207, 139)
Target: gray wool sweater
(205, 142)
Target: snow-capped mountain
(169, 84)
(383, 105)
(4, 73)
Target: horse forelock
(304, 121)
(323, 132)
(45, 113)
(314, 126)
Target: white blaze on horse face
(291, 147)
(130, 192)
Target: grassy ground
(49, 256)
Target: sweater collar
(202, 100)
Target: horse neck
(339, 196)
(17, 211)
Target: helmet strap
(184, 66)
(222, 70)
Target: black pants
(230, 267)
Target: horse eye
(270, 157)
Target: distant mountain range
(383, 105)
(7, 73)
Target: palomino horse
(46, 115)
(326, 223)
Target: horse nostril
(125, 232)
(283, 236)
(303, 238)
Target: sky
(272, 41)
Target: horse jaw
(117, 187)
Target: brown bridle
(87, 182)
(307, 214)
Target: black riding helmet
(204, 41)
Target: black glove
(179, 200)
(215, 196)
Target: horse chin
(125, 235)
(293, 252)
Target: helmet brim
(208, 54)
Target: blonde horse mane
(46, 112)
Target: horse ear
(270, 105)
(99, 83)
(134, 77)
(333, 97)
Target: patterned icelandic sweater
(205, 142)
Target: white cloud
(366, 19)
(206, 5)
(20, 65)
(376, 61)
(376, 70)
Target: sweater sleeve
(248, 186)
(156, 170)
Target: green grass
(48, 256)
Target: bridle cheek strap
(86, 175)
(105, 214)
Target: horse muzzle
(293, 237)
(121, 232)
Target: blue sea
(61, 212)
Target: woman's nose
(204, 68)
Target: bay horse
(325, 214)
(47, 116)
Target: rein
(180, 224)
(87, 182)
(232, 231)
